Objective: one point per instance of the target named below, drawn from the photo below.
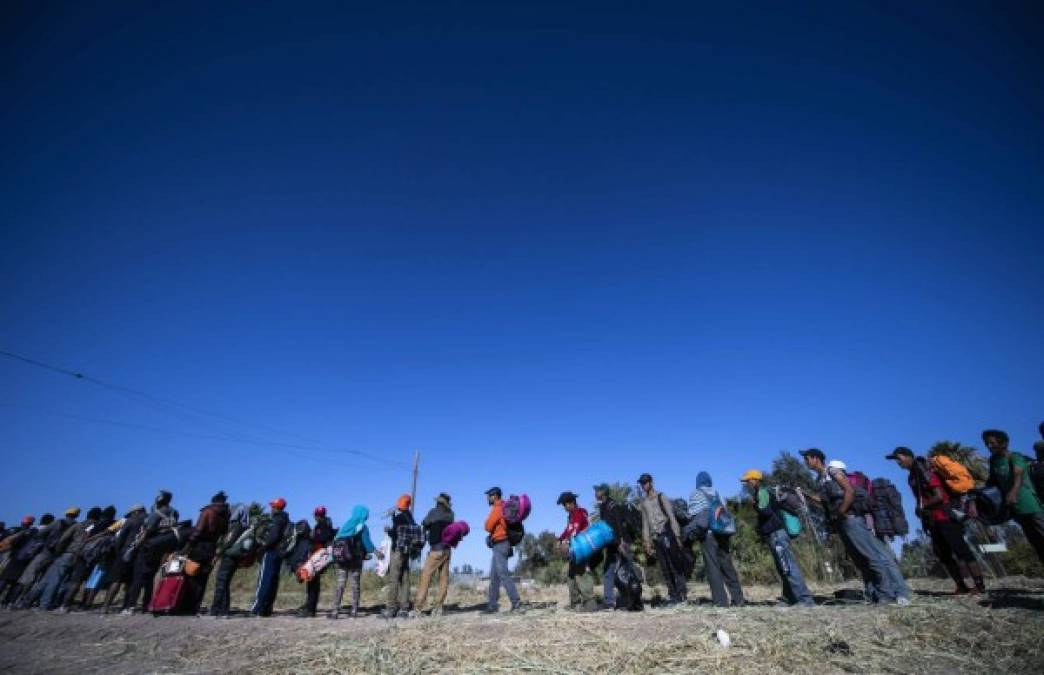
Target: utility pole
(416, 465)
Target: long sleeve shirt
(657, 514)
(575, 524)
(495, 523)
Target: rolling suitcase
(169, 595)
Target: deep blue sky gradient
(545, 245)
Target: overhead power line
(167, 405)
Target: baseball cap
(894, 454)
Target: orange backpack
(955, 476)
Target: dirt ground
(1002, 632)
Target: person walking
(231, 556)
(202, 546)
(716, 547)
(579, 575)
(846, 507)
(614, 515)
(772, 531)
(271, 559)
(1009, 472)
(321, 536)
(354, 535)
(498, 541)
(397, 602)
(438, 561)
(661, 536)
(933, 508)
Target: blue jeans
(794, 589)
(54, 580)
(267, 584)
(875, 564)
(499, 574)
(895, 576)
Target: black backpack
(886, 506)
(98, 548)
(681, 511)
(515, 532)
(348, 550)
(628, 586)
(293, 532)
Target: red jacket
(576, 524)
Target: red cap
(278, 503)
(28, 520)
(320, 510)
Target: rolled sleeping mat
(590, 541)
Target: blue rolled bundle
(590, 541)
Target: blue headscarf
(703, 479)
(355, 524)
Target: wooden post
(413, 492)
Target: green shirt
(1026, 501)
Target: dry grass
(937, 634)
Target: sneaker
(414, 614)
(517, 609)
(127, 612)
(436, 612)
(389, 613)
(902, 602)
(305, 613)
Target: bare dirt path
(1002, 632)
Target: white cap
(836, 464)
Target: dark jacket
(211, 525)
(615, 516)
(127, 534)
(323, 532)
(275, 531)
(434, 523)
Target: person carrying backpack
(271, 558)
(439, 553)
(322, 535)
(202, 546)
(21, 554)
(615, 515)
(933, 504)
(579, 575)
(498, 541)
(397, 602)
(715, 546)
(49, 532)
(846, 507)
(121, 569)
(773, 532)
(661, 536)
(231, 555)
(1009, 472)
(154, 540)
(352, 546)
(46, 589)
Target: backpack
(632, 518)
(721, 521)
(515, 532)
(454, 532)
(290, 535)
(348, 550)
(886, 505)
(681, 511)
(98, 548)
(409, 539)
(29, 550)
(955, 476)
(864, 492)
(629, 586)
(516, 508)
(788, 500)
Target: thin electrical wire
(159, 402)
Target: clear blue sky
(545, 246)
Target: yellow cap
(753, 474)
(73, 511)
